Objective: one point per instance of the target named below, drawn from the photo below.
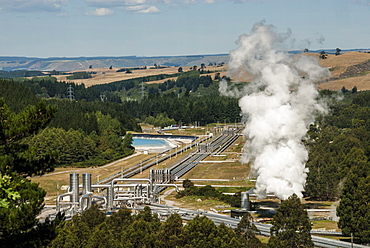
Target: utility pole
(70, 92)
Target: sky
(74, 28)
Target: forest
(339, 165)
(41, 128)
(80, 133)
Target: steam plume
(279, 105)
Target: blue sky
(73, 28)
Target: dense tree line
(210, 192)
(80, 75)
(160, 120)
(122, 229)
(20, 199)
(339, 165)
(187, 109)
(186, 82)
(129, 84)
(49, 87)
(20, 73)
(335, 144)
(81, 133)
(291, 228)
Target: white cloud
(113, 3)
(32, 5)
(209, 1)
(150, 10)
(136, 8)
(100, 12)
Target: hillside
(106, 75)
(348, 69)
(82, 63)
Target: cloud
(32, 5)
(114, 3)
(100, 12)
(136, 8)
(150, 10)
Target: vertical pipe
(110, 198)
(86, 188)
(151, 175)
(74, 185)
(86, 183)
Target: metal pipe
(110, 197)
(129, 198)
(74, 184)
(130, 179)
(169, 185)
(58, 200)
(86, 183)
(96, 186)
(101, 197)
(87, 203)
(133, 179)
(86, 189)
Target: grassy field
(106, 75)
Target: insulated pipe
(110, 198)
(98, 186)
(86, 183)
(86, 189)
(129, 179)
(129, 198)
(87, 202)
(58, 200)
(133, 179)
(101, 198)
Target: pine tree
(23, 199)
(291, 225)
(248, 231)
(354, 207)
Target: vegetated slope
(82, 63)
(106, 75)
(348, 70)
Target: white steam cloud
(278, 105)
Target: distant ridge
(13, 63)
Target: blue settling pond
(150, 143)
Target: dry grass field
(106, 75)
(337, 65)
